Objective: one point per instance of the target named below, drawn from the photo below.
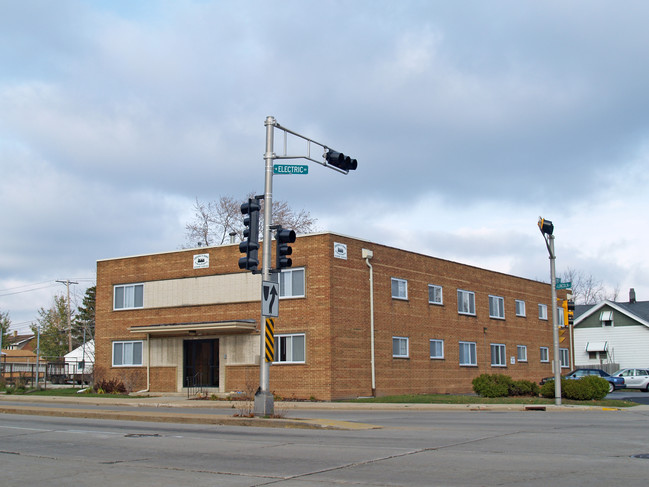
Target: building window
(564, 358)
(465, 302)
(468, 355)
(128, 296)
(543, 311)
(437, 349)
(522, 353)
(399, 347)
(545, 354)
(520, 308)
(290, 349)
(435, 294)
(399, 288)
(606, 317)
(496, 307)
(291, 283)
(127, 354)
(498, 356)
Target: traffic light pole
(555, 322)
(264, 402)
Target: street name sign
(290, 169)
(563, 285)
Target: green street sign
(290, 169)
(563, 285)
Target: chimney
(632, 295)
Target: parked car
(635, 378)
(614, 382)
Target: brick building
(167, 321)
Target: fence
(52, 372)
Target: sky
(469, 120)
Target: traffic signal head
(283, 238)
(250, 244)
(340, 160)
(570, 312)
(546, 226)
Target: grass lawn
(472, 399)
(67, 392)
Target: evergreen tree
(5, 323)
(85, 318)
(54, 329)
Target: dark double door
(201, 363)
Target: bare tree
(586, 289)
(215, 220)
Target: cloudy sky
(468, 121)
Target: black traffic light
(546, 226)
(340, 160)
(250, 246)
(283, 238)
(571, 313)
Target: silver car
(635, 378)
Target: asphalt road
(414, 448)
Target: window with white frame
(520, 307)
(564, 358)
(291, 283)
(498, 355)
(545, 354)
(435, 294)
(543, 311)
(400, 347)
(521, 352)
(399, 288)
(496, 307)
(436, 348)
(560, 316)
(468, 353)
(127, 353)
(606, 318)
(465, 302)
(290, 349)
(128, 296)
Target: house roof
(638, 311)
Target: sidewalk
(229, 412)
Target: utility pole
(67, 283)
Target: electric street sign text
(290, 169)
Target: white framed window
(290, 349)
(436, 349)
(560, 316)
(468, 354)
(465, 302)
(520, 307)
(543, 311)
(498, 355)
(435, 294)
(127, 353)
(521, 352)
(128, 296)
(606, 318)
(400, 347)
(291, 283)
(545, 354)
(496, 307)
(564, 358)
(399, 288)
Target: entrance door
(201, 363)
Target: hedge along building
(168, 321)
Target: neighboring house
(615, 333)
(81, 360)
(169, 321)
(20, 342)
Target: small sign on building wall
(201, 261)
(340, 250)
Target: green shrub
(524, 388)
(588, 388)
(492, 385)
(110, 386)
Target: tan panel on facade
(193, 291)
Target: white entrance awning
(597, 346)
(202, 328)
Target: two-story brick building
(355, 318)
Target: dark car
(613, 382)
